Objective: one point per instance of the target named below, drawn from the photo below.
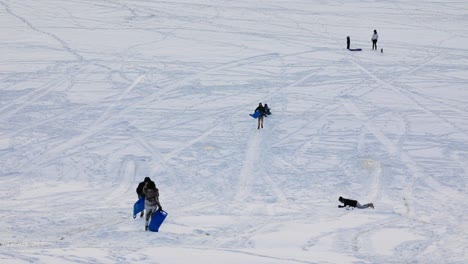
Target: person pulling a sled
(151, 201)
(353, 204)
(139, 190)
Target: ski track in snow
(95, 96)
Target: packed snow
(97, 95)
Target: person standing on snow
(261, 109)
(353, 203)
(374, 39)
(267, 110)
(151, 201)
(348, 42)
(139, 190)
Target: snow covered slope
(97, 95)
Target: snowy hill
(97, 95)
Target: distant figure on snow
(374, 39)
(139, 190)
(151, 201)
(261, 109)
(348, 42)
(353, 204)
(267, 110)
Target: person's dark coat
(267, 110)
(347, 202)
(261, 109)
(141, 185)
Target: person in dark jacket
(353, 204)
(151, 201)
(139, 191)
(348, 42)
(267, 110)
(141, 185)
(261, 109)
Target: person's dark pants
(260, 122)
(374, 44)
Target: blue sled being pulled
(257, 114)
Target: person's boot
(146, 228)
(141, 214)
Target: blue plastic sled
(256, 114)
(156, 220)
(138, 207)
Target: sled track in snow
(248, 168)
(405, 92)
(64, 45)
(415, 169)
(101, 123)
(24, 101)
(253, 170)
(125, 175)
(391, 148)
(412, 166)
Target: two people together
(264, 111)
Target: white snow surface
(97, 95)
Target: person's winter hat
(147, 179)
